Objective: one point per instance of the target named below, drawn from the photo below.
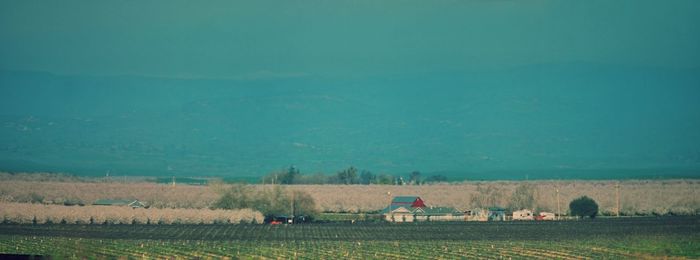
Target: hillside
(541, 122)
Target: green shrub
(584, 207)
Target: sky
(268, 39)
(249, 87)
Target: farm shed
(497, 214)
(476, 215)
(111, 202)
(524, 214)
(546, 216)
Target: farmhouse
(111, 202)
(400, 214)
(412, 208)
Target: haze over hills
(467, 89)
(566, 120)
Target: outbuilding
(477, 214)
(438, 214)
(497, 214)
(111, 202)
(524, 214)
(546, 216)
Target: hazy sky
(390, 86)
(262, 39)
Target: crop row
(62, 247)
(526, 230)
(601, 238)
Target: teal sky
(262, 39)
(475, 89)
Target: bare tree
(523, 197)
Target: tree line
(270, 202)
(349, 176)
(28, 213)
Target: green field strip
(670, 237)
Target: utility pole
(617, 198)
(392, 214)
(292, 220)
(173, 181)
(558, 209)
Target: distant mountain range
(547, 121)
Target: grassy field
(601, 238)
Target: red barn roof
(408, 201)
